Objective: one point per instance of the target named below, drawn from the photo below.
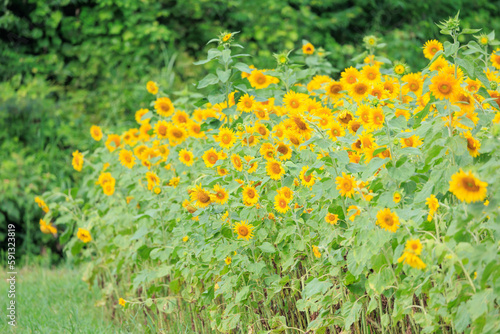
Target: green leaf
(210, 79)
(266, 247)
(223, 75)
(314, 287)
(470, 31)
(350, 311)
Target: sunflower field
(293, 200)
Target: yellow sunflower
(244, 230)
(164, 107)
(371, 74)
(267, 151)
(77, 161)
(431, 48)
(334, 90)
(316, 251)
(346, 185)
(359, 90)
(331, 218)
(161, 129)
(335, 131)
(200, 197)
(274, 169)
(259, 80)
(180, 118)
(286, 192)
(412, 141)
(285, 152)
(84, 235)
(210, 157)
(388, 220)
(308, 49)
(294, 101)
(414, 83)
(396, 197)
(281, 204)
(127, 158)
(176, 134)
(113, 142)
(444, 86)
(221, 195)
(152, 87)
(467, 187)
(237, 163)
(195, 130)
(412, 260)
(96, 132)
(350, 76)
(377, 118)
(226, 138)
(252, 166)
(247, 103)
(250, 196)
(186, 157)
(307, 180)
(473, 145)
(495, 58)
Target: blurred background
(68, 64)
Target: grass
(56, 301)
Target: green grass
(56, 301)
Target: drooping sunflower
(244, 230)
(281, 204)
(388, 220)
(252, 167)
(237, 163)
(495, 58)
(41, 203)
(307, 180)
(346, 184)
(473, 145)
(246, 103)
(210, 157)
(47, 228)
(161, 129)
(412, 260)
(331, 218)
(221, 195)
(84, 235)
(200, 197)
(139, 116)
(164, 107)
(77, 161)
(226, 137)
(444, 86)
(467, 187)
(250, 196)
(316, 251)
(261, 129)
(274, 169)
(300, 124)
(127, 158)
(431, 47)
(96, 132)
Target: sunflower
(433, 205)
(252, 166)
(250, 196)
(259, 80)
(176, 134)
(210, 157)
(237, 163)
(366, 140)
(294, 101)
(152, 179)
(439, 64)
(42, 204)
(412, 141)
(335, 131)
(286, 192)
(331, 218)
(77, 161)
(221, 171)
(345, 117)
(371, 74)
(244, 230)
(161, 129)
(333, 90)
(359, 90)
(293, 137)
(247, 137)
(308, 49)
(279, 131)
(346, 184)
(194, 130)
(444, 86)
(246, 103)
(414, 83)
(152, 87)
(113, 142)
(316, 251)
(83, 235)
(364, 113)
(467, 187)
(388, 220)
(473, 145)
(350, 76)
(164, 106)
(261, 129)
(431, 48)
(299, 124)
(396, 197)
(96, 132)
(267, 151)
(261, 113)
(174, 182)
(274, 169)
(307, 180)
(281, 203)
(221, 195)
(377, 118)
(226, 138)
(412, 260)
(399, 69)
(200, 197)
(47, 228)
(495, 58)
(127, 158)
(284, 151)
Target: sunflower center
(414, 86)
(471, 144)
(237, 163)
(371, 76)
(261, 113)
(203, 197)
(282, 203)
(388, 220)
(226, 139)
(213, 158)
(128, 158)
(243, 231)
(269, 154)
(182, 119)
(307, 178)
(275, 168)
(355, 127)
(408, 142)
(251, 193)
(347, 185)
(470, 184)
(444, 88)
(351, 79)
(262, 131)
(294, 140)
(177, 133)
(335, 89)
(283, 149)
(261, 79)
(165, 107)
(346, 118)
(162, 130)
(248, 103)
(187, 157)
(335, 132)
(300, 124)
(361, 89)
(220, 195)
(295, 104)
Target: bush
(287, 199)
